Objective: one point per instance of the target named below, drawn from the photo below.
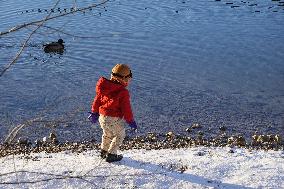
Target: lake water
(203, 61)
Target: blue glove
(133, 125)
(93, 117)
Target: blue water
(193, 62)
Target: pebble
(196, 126)
(222, 128)
(188, 130)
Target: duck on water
(54, 47)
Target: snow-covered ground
(199, 167)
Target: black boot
(113, 157)
(103, 154)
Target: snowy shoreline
(196, 167)
(150, 141)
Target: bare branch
(61, 177)
(40, 23)
(73, 35)
(16, 28)
(25, 43)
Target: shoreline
(150, 141)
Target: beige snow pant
(113, 133)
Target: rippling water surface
(207, 62)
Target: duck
(54, 47)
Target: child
(111, 105)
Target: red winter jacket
(112, 99)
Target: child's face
(128, 81)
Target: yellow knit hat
(121, 71)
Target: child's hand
(93, 117)
(133, 125)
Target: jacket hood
(106, 86)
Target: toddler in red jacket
(111, 107)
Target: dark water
(193, 62)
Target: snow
(198, 167)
